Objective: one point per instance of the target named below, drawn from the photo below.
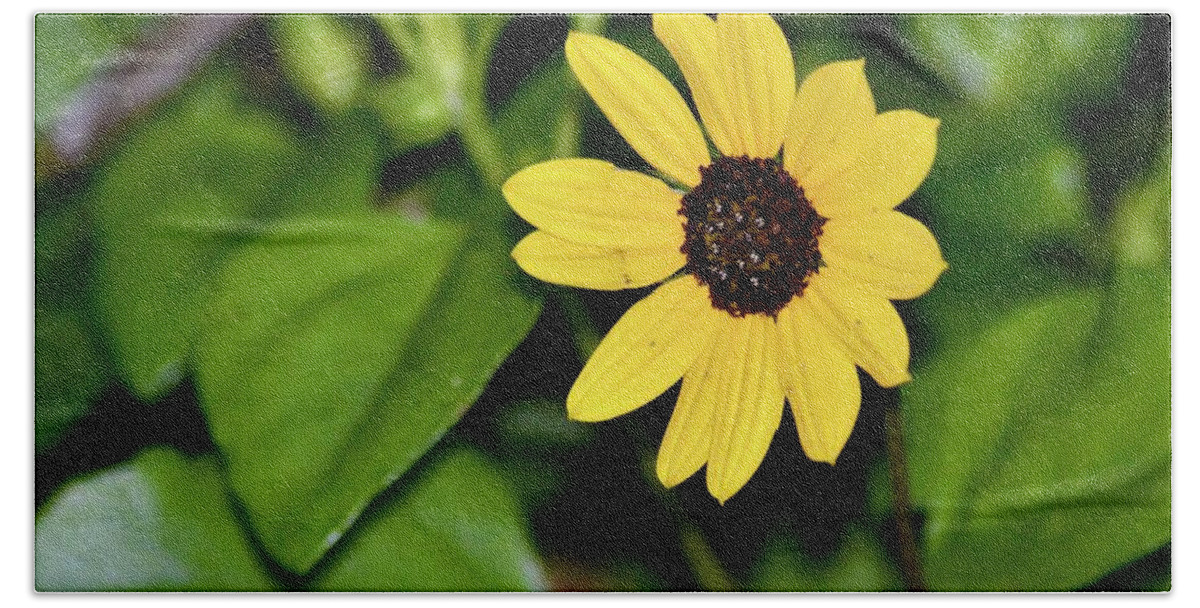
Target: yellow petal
(888, 250)
(762, 77)
(685, 446)
(693, 41)
(563, 262)
(647, 351)
(592, 202)
(740, 71)
(751, 406)
(822, 386)
(641, 104)
(864, 321)
(829, 122)
(893, 161)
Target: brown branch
(910, 560)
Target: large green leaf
(202, 163)
(1040, 449)
(454, 527)
(68, 49)
(334, 358)
(159, 522)
(176, 198)
(300, 339)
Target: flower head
(777, 258)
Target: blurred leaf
(453, 527)
(324, 57)
(413, 110)
(1141, 225)
(169, 203)
(1007, 199)
(159, 522)
(336, 169)
(69, 49)
(1014, 60)
(860, 564)
(68, 374)
(69, 370)
(539, 424)
(1050, 430)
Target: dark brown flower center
(750, 235)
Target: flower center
(750, 235)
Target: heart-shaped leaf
(335, 355)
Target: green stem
(910, 560)
(474, 122)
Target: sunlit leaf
(453, 527)
(159, 522)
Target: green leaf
(453, 527)
(204, 161)
(298, 344)
(364, 380)
(159, 522)
(414, 111)
(1018, 60)
(68, 374)
(860, 564)
(1003, 192)
(324, 57)
(1040, 450)
(69, 369)
(69, 49)
(185, 191)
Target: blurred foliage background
(280, 342)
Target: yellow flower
(776, 269)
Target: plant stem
(474, 123)
(910, 561)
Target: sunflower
(775, 260)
